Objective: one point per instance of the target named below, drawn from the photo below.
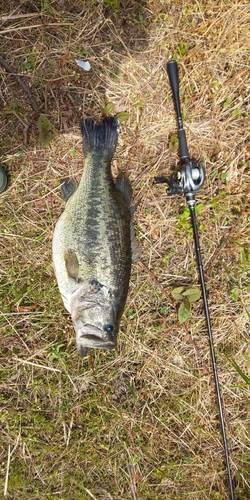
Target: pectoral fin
(72, 264)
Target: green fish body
(92, 242)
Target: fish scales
(100, 222)
(92, 243)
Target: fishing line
(188, 180)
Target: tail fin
(100, 137)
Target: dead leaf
(173, 143)
(119, 107)
(46, 130)
(63, 60)
(154, 233)
(24, 309)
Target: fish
(94, 242)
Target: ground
(140, 423)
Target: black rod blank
(212, 351)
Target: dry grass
(140, 423)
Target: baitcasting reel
(189, 179)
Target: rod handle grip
(173, 75)
(184, 154)
(172, 70)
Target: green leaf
(240, 372)
(215, 172)
(123, 116)
(182, 48)
(235, 294)
(173, 143)
(236, 242)
(84, 52)
(25, 67)
(234, 281)
(216, 84)
(199, 207)
(226, 103)
(177, 293)
(139, 103)
(224, 175)
(184, 312)
(192, 294)
(108, 108)
(243, 259)
(140, 15)
(46, 130)
(185, 214)
(237, 112)
(114, 4)
(184, 113)
(46, 6)
(163, 309)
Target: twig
(25, 124)
(37, 365)
(225, 239)
(197, 350)
(132, 482)
(5, 491)
(20, 81)
(7, 474)
(19, 28)
(90, 494)
(20, 16)
(155, 280)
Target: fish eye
(109, 328)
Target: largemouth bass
(92, 241)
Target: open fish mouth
(92, 337)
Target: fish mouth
(92, 337)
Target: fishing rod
(188, 180)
